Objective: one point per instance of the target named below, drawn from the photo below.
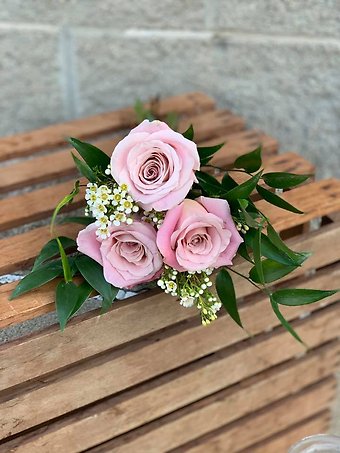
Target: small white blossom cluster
(109, 206)
(154, 217)
(243, 228)
(192, 288)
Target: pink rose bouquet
(156, 213)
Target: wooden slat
(254, 428)
(30, 358)
(167, 394)
(60, 163)
(316, 199)
(241, 143)
(287, 162)
(36, 205)
(282, 441)
(320, 243)
(27, 143)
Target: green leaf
(84, 291)
(93, 156)
(209, 184)
(251, 161)
(206, 152)
(51, 249)
(257, 255)
(250, 221)
(244, 189)
(293, 297)
(82, 220)
(39, 277)
(84, 169)
(228, 182)
(271, 251)
(276, 200)
(65, 263)
(281, 180)
(67, 294)
(242, 251)
(226, 293)
(275, 239)
(66, 200)
(93, 274)
(189, 133)
(283, 321)
(272, 270)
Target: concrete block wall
(277, 62)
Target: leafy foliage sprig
(270, 258)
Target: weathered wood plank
(36, 205)
(27, 143)
(133, 365)
(316, 199)
(60, 163)
(168, 394)
(283, 440)
(319, 198)
(281, 415)
(83, 338)
(320, 243)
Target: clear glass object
(320, 443)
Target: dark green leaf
(84, 169)
(269, 250)
(283, 321)
(250, 221)
(257, 255)
(228, 182)
(206, 152)
(251, 161)
(44, 274)
(279, 243)
(66, 200)
(84, 291)
(65, 263)
(244, 189)
(67, 294)
(272, 270)
(242, 251)
(226, 293)
(276, 200)
(83, 220)
(209, 184)
(280, 180)
(189, 133)
(51, 249)
(93, 156)
(293, 297)
(93, 274)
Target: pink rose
(157, 164)
(198, 234)
(129, 256)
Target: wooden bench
(146, 376)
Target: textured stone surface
(114, 14)
(30, 89)
(291, 17)
(289, 89)
(114, 71)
